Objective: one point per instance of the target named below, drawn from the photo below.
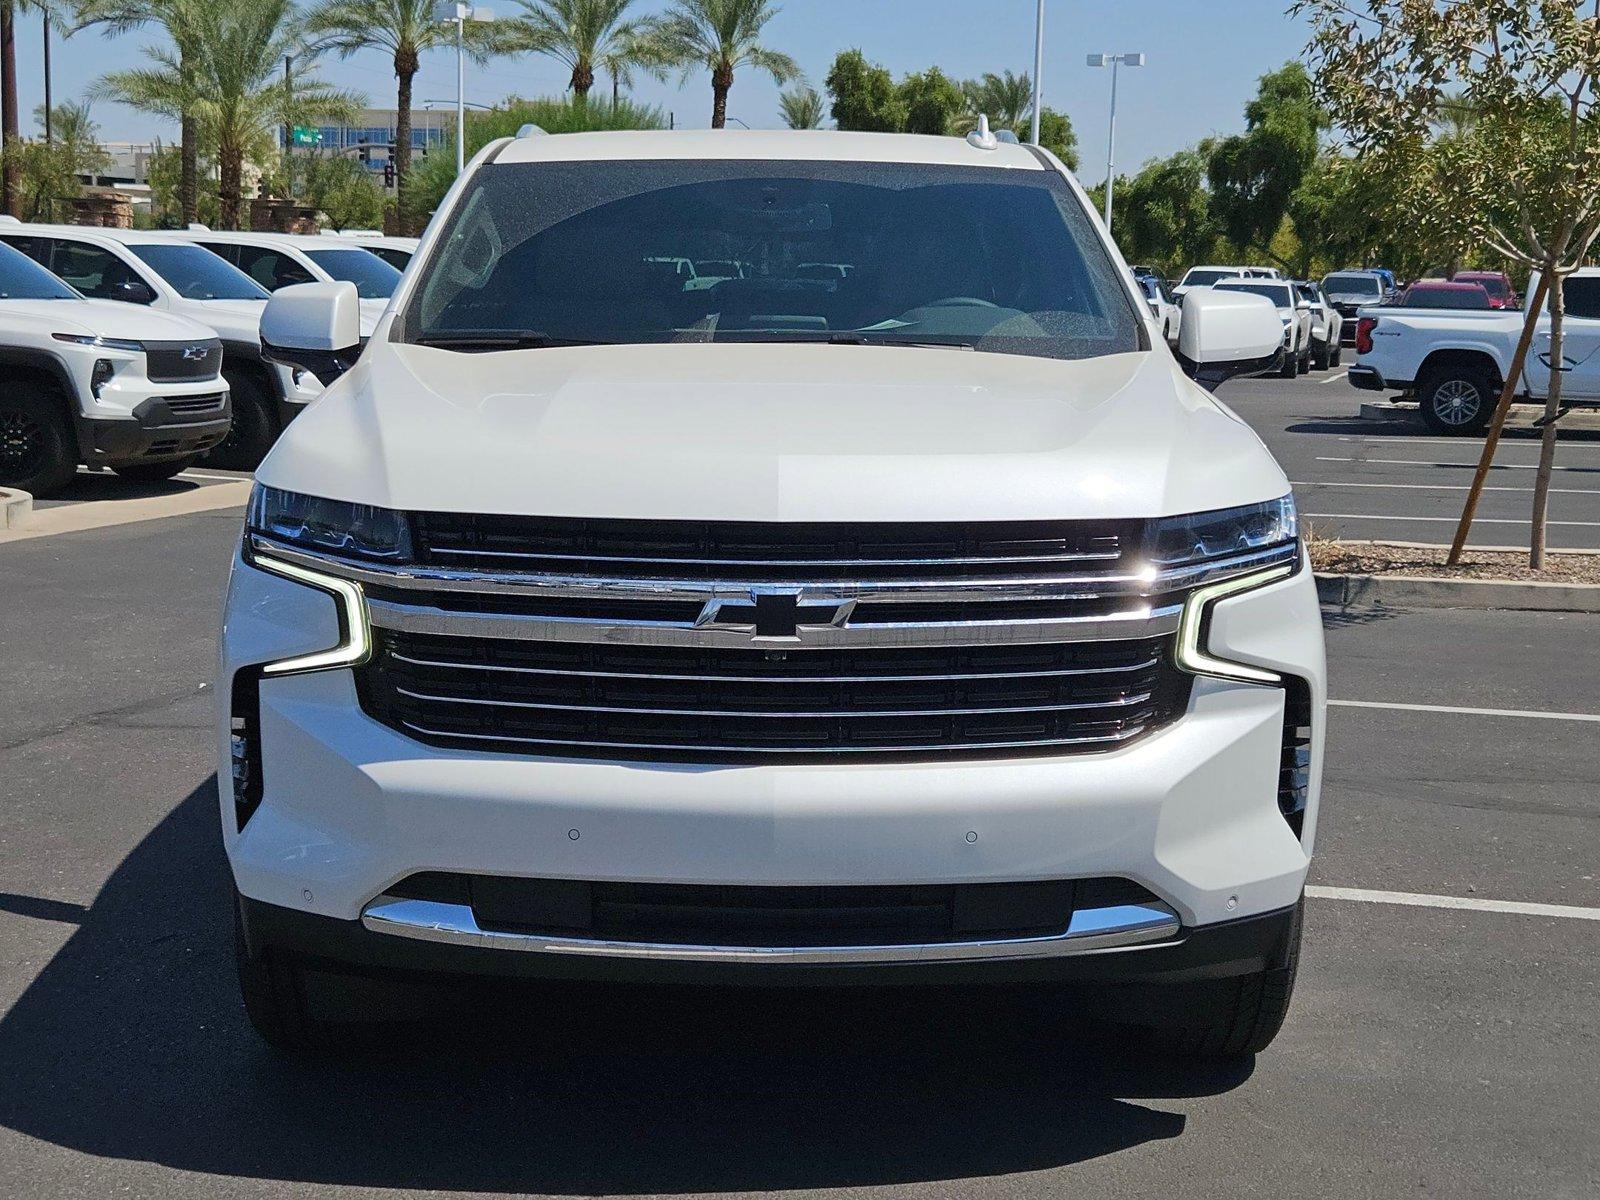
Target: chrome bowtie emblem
(196, 353)
(774, 613)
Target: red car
(1441, 293)
(1496, 283)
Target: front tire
(1321, 357)
(1456, 401)
(154, 472)
(1245, 1019)
(37, 451)
(1290, 367)
(253, 429)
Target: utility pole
(288, 128)
(1038, 73)
(48, 115)
(1113, 61)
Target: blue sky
(1204, 59)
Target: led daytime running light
(1192, 657)
(354, 648)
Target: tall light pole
(1038, 73)
(1113, 61)
(457, 13)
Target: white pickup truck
(1455, 360)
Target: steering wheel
(961, 302)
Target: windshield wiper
(492, 339)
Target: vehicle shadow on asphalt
(1401, 431)
(131, 1044)
(106, 485)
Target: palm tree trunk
(582, 81)
(9, 130)
(721, 85)
(1547, 442)
(405, 69)
(230, 160)
(188, 154)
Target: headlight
(104, 343)
(330, 526)
(1196, 537)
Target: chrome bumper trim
(1090, 929)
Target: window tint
(23, 279)
(1004, 261)
(393, 255)
(1426, 297)
(1582, 295)
(1201, 278)
(1349, 285)
(1278, 293)
(35, 248)
(374, 278)
(197, 274)
(272, 269)
(93, 271)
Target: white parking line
(1450, 520)
(1464, 466)
(1438, 487)
(1530, 713)
(214, 478)
(1422, 900)
(1335, 378)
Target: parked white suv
(924, 622)
(87, 381)
(1294, 312)
(275, 260)
(155, 270)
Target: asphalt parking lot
(1445, 1039)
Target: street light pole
(1113, 61)
(1038, 73)
(458, 13)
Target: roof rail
(532, 130)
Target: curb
(1404, 591)
(15, 508)
(1521, 416)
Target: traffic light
(388, 174)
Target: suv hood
(103, 318)
(772, 433)
(234, 320)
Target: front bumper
(158, 428)
(350, 807)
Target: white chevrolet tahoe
(922, 622)
(88, 381)
(1456, 360)
(152, 269)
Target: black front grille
(175, 362)
(193, 406)
(1294, 769)
(820, 916)
(704, 704)
(774, 552)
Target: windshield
(1492, 284)
(1205, 278)
(197, 274)
(1435, 297)
(23, 279)
(1353, 285)
(374, 278)
(1278, 293)
(561, 253)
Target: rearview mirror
(1224, 334)
(313, 326)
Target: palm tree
(239, 98)
(10, 127)
(583, 35)
(721, 36)
(1007, 100)
(404, 29)
(801, 108)
(180, 19)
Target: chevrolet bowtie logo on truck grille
(774, 613)
(195, 353)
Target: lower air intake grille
(694, 704)
(1294, 771)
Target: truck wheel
(1245, 1020)
(1338, 355)
(1321, 359)
(250, 436)
(154, 472)
(37, 450)
(1456, 400)
(1290, 367)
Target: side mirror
(134, 291)
(1304, 305)
(313, 326)
(1224, 334)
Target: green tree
(166, 186)
(403, 29)
(720, 36)
(1523, 179)
(1007, 100)
(234, 86)
(10, 121)
(344, 191)
(584, 35)
(1164, 212)
(180, 20)
(863, 95)
(931, 102)
(801, 108)
(1057, 136)
(437, 171)
(1254, 174)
